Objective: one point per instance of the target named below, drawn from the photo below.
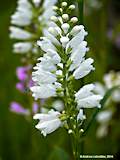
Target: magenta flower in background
(20, 86)
(17, 108)
(35, 107)
(117, 41)
(21, 73)
(30, 83)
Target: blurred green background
(18, 138)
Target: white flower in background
(111, 80)
(48, 10)
(48, 123)
(25, 24)
(86, 98)
(20, 34)
(94, 3)
(104, 116)
(23, 14)
(103, 119)
(22, 47)
(91, 5)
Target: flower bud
(82, 130)
(74, 20)
(65, 17)
(54, 18)
(76, 29)
(64, 4)
(65, 27)
(55, 8)
(70, 131)
(61, 10)
(72, 7)
(64, 41)
(53, 31)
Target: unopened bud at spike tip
(64, 4)
(72, 7)
(74, 20)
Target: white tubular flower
(45, 44)
(77, 39)
(86, 98)
(78, 55)
(64, 41)
(84, 69)
(20, 34)
(58, 105)
(48, 122)
(44, 77)
(22, 47)
(44, 91)
(76, 29)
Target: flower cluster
(62, 63)
(27, 23)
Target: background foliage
(18, 138)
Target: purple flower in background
(110, 33)
(17, 108)
(21, 73)
(30, 83)
(35, 107)
(117, 41)
(20, 86)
